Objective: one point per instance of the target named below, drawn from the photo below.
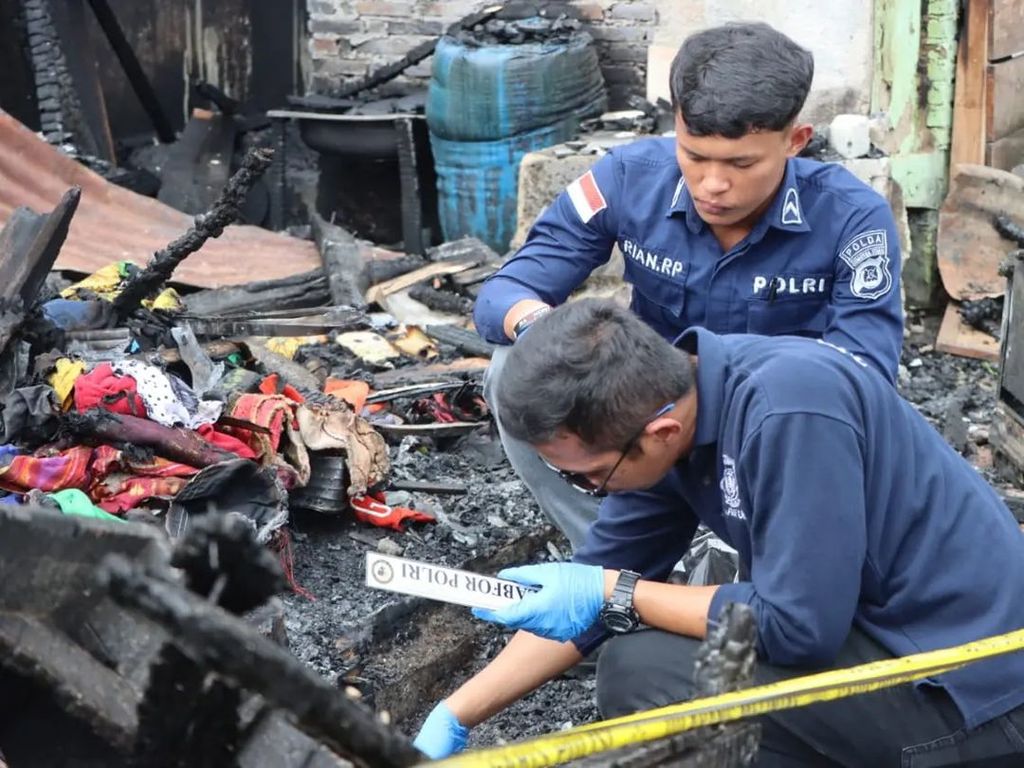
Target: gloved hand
(442, 734)
(567, 604)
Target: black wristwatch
(527, 320)
(617, 613)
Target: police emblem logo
(867, 255)
(731, 489)
(383, 572)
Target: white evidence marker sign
(435, 582)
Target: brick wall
(350, 38)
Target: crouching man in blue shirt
(721, 227)
(861, 536)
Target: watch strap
(527, 320)
(625, 585)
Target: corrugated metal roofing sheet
(113, 223)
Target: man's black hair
(738, 78)
(592, 368)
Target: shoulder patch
(586, 197)
(867, 254)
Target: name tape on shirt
(435, 582)
(586, 197)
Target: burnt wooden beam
(29, 246)
(133, 69)
(345, 262)
(466, 341)
(80, 685)
(226, 210)
(228, 646)
(304, 291)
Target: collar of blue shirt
(711, 370)
(786, 212)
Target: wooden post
(972, 96)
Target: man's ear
(799, 135)
(663, 428)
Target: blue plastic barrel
(490, 105)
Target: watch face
(619, 620)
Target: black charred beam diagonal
(415, 56)
(29, 246)
(132, 69)
(231, 648)
(29, 275)
(226, 210)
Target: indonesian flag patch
(586, 197)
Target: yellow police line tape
(607, 735)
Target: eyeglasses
(583, 484)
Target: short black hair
(738, 78)
(592, 368)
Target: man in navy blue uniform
(861, 536)
(721, 227)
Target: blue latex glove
(442, 734)
(567, 604)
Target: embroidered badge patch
(731, 489)
(867, 255)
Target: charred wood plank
(225, 211)
(380, 291)
(474, 276)
(228, 646)
(92, 134)
(463, 339)
(29, 245)
(467, 369)
(80, 685)
(167, 710)
(345, 262)
(441, 301)
(381, 270)
(310, 289)
(353, 265)
(274, 743)
(465, 249)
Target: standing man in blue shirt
(721, 227)
(861, 536)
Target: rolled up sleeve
(559, 253)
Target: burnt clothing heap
(127, 435)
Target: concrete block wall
(839, 34)
(350, 38)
